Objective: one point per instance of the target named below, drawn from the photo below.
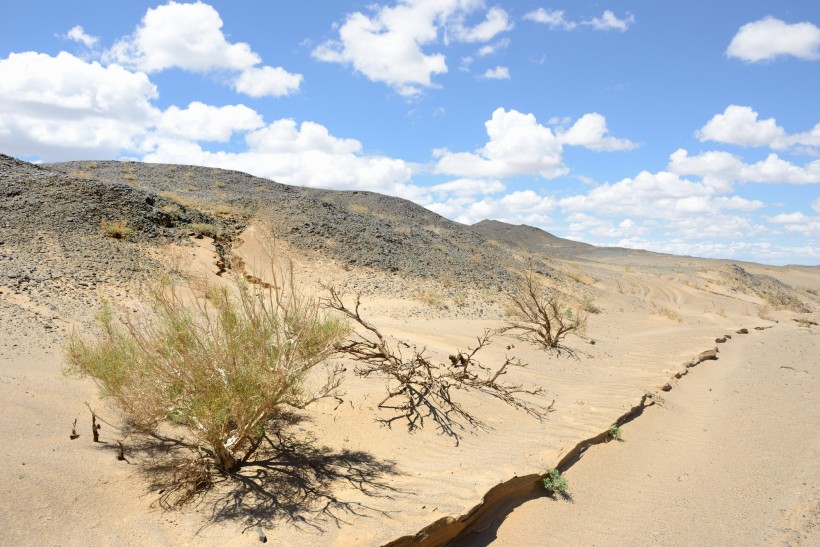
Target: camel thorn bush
(219, 361)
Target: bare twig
(418, 387)
(74, 433)
(541, 319)
(95, 427)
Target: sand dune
(334, 475)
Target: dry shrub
(118, 229)
(203, 229)
(538, 316)
(219, 364)
(420, 388)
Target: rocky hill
(356, 228)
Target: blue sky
(685, 127)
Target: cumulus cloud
(609, 21)
(77, 34)
(497, 73)
(722, 166)
(740, 125)
(517, 145)
(551, 18)
(656, 195)
(388, 44)
(590, 131)
(305, 155)
(770, 38)
(267, 81)
(519, 207)
(190, 37)
(63, 107)
(202, 122)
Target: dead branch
(74, 434)
(419, 388)
(541, 319)
(95, 427)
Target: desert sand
(727, 453)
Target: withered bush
(539, 317)
(417, 386)
(219, 361)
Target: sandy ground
(730, 458)
(334, 475)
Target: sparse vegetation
(118, 229)
(763, 312)
(588, 305)
(202, 229)
(666, 312)
(218, 364)
(431, 298)
(615, 432)
(185, 202)
(554, 482)
(172, 210)
(418, 387)
(539, 317)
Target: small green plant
(588, 305)
(118, 229)
(615, 432)
(554, 482)
(202, 229)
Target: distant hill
(530, 239)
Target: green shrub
(221, 365)
(615, 431)
(553, 482)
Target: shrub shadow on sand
(291, 479)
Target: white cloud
(187, 36)
(798, 222)
(497, 73)
(657, 195)
(518, 207)
(77, 33)
(815, 205)
(740, 125)
(267, 81)
(517, 145)
(492, 49)
(726, 167)
(306, 155)
(496, 22)
(388, 46)
(190, 37)
(283, 136)
(63, 107)
(468, 187)
(201, 122)
(552, 18)
(590, 131)
(609, 21)
(770, 38)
